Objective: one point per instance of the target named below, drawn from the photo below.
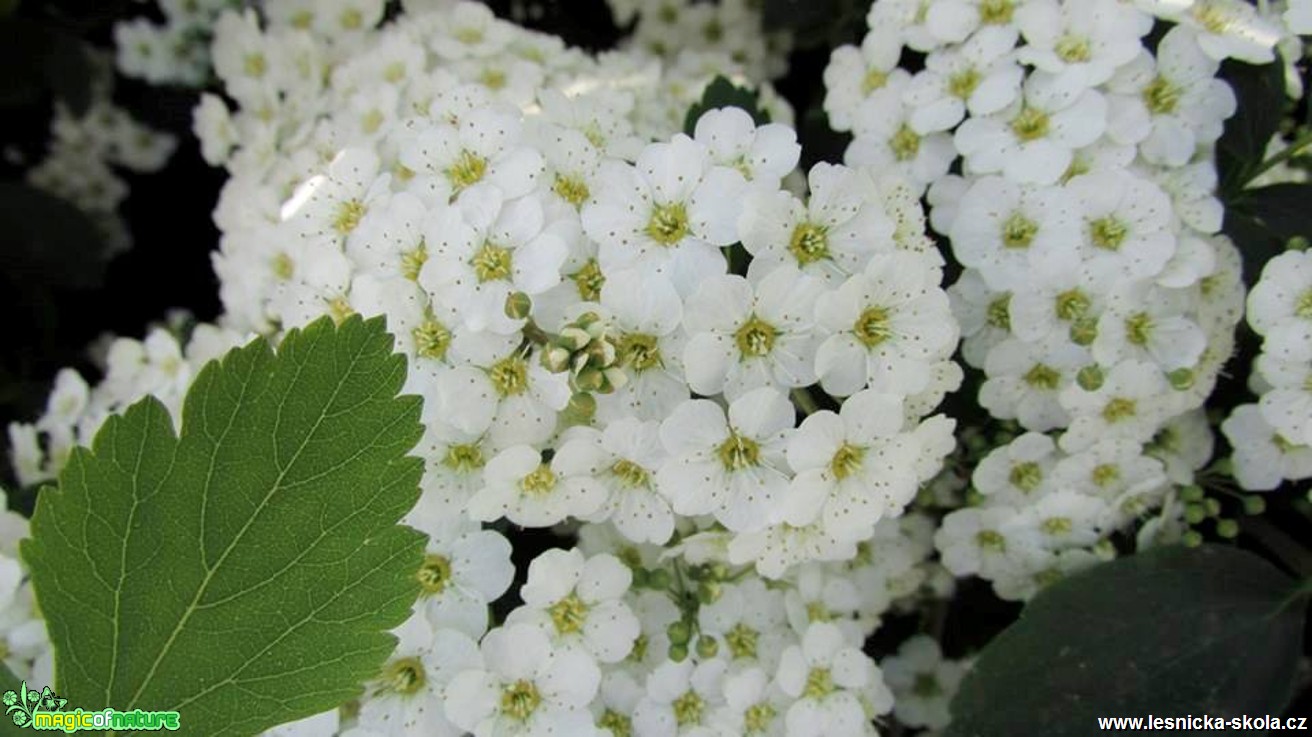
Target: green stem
(1294, 149)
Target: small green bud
(1254, 505)
(1181, 378)
(678, 653)
(555, 359)
(1090, 378)
(518, 306)
(1213, 507)
(582, 405)
(589, 380)
(707, 647)
(1192, 539)
(718, 571)
(658, 579)
(641, 578)
(680, 632)
(1227, 528)
(708, 592)
(1191, 493)
(1195, 513)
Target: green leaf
(245, 572)
(1170, 632)
(47, 55)
(1260, 93)
(1262, 221)
(816, 23)
(723, 93)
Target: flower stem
(1295, 148)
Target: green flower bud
(518, 306)
(678, 653)
(1254, 505)
(1195, 513)
(1227, 528)
(680, 632)
(1191, 493)
(1090, 378)
(707, 647)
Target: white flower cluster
(1098, 297)
(732, 28)
(24, 645)
(1272, 440)
(553, 259)
(174, 53)
(83, 153)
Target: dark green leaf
(244, 573)
(1262, 221)
(816, 22)
(723, 93)
(48, 58)
(48, 241)
(1170, 632)
(1260, 93)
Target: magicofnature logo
(44, 710)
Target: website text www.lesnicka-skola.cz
(1203, 723)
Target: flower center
(1072, 304)
(571, 189)
(1161, 96)
(872, 327)
(755, 338)
(520, 699)
(348, 216)
(493, 79)
(630, 474)
(569, 614)
(351, 19)
(466, 170)
(758, 718)
(1303, 308)
(469, 35)
(996, 12)
(1108, 233)
(412, 261)
(434, 574)
(962, 84)
(1073, 49)
(404, 676)
(1018, 231)
(742, 641)
(998, 312)
(463, 458)
(809, 243)
(1105, 474)
(926, 686)
(539, 482)
(509, 376)
(1119, 409)
(589, 280)
(371, 121)
(255, 65)
(847, 461)
(668, 224)
(339, 308)
(905, 143)
(1042, 376)
(618, 724)
(873, 80)
(432, 338)
(1026, 476)
(1030, 124)
(991, 540)
(1211, 17)
(688, 709)
(491, 263)
(283, 266)
(737, 453)
(639, 351)
(819, 684)
(1057, 526)
(1139, 328)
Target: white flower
(923, 682)
(1025, 379)
(887, 325)
(744, 336)
(730, 467)
(1230, 29)
(465, 569)
(1287, 406)
(511, 396)
(1011, 232)
(406, 698)
(980, 76)
(983, 541)
(1082, 43)
(1132, 401)
(485, 248)
(528, 491)
(1018, 472)
(853, 74)
(629, 454)
(524, 687)
(831, 236)
(753, 705)
(1298, 17)
(1149, 323)
(1033, 141)
(667, 215)
(835, 685)
(646, 314)
(485, 145)
(577, 602)
(764, 155)
(747, 622)
(328, 207)
(852, 467)
(680, 698)
(886, 141)
(1171, 104)
(1280, 305)
(1262, 457)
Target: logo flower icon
(10, 698)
